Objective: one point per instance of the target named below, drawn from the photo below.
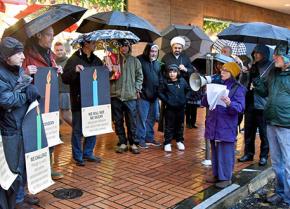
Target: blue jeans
(146, 116)
(279, 141)
(76, 139)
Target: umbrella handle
(267, 69)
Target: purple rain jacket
(221, 123)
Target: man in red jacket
(38, 53)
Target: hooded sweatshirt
(253, 99)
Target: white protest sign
(6, 176)
(96, 120)
(51, 127)
(38, 170)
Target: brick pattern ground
(152, 179)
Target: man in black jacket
(254, 112)
(82, 58)
(147, 104)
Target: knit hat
(172, 67)
(177, 40)
(233, 68)
(10, 46)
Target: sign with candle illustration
(36, 150)
(95, 101)
(46, 80)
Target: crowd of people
(147, 90)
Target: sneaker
(154, 143)
(180, 146)
(135, 149)
(143, 145)
(56, 175)
(122, 148)
(167, 148)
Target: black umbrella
(59, 16)
(196, 41)
(256, 32)
(120, 20)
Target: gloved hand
(32, 93)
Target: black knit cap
(10, 46)
(172, 67)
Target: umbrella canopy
(196, 41)
(59, 16)
(238, 48)
(120, 20)
(256, 32)
(107, 37)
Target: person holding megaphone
(221, 126)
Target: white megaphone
(196, 81)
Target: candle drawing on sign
(47, 92)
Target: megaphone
(196, 81)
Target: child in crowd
(173, 93)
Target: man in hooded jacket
(254, 112)
(14, 103)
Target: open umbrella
(59, 16)
(196, 41)
(120, 20)
(256, 32)
(107, 38)
(238, 48)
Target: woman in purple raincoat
(221, 126)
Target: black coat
(169, 59)
(72, 78)
(173, 93)
(151, 70)
(13, 107)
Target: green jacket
(130, 82)
(277, 87)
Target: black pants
(127, 110)
(254, 119)
(191, 112)
(174, 125)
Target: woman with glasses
(221, 126)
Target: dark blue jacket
(151, 71)
(173, 93)
(13, 104)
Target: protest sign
(95, 101)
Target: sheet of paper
(214, 94)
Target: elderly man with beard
(276, 86)
(14, 102)
(147, 103)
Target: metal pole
(209, 71)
